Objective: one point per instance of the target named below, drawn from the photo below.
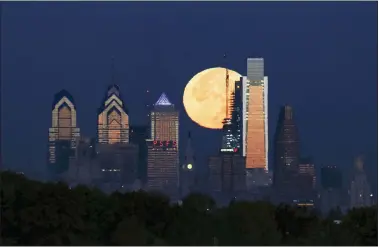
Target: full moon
(204, 96)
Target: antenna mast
(112, 71)
(226, 92)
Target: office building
(251, 98)
(237, 123)
(227, 169)
(63, 134)
(257, 110)
(306, 180)
(163, 148)
(331, 188)
(307, 169)
(138, 136)
(162, 166)
(286, 156)
(164, 121)
(83, 169)
(227, 173)
(256, 178)
(113, 119)
(118, 164)
(360, 192)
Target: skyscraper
(251, 97)
(331, 188)
(286, 155)
(307, 169)
(63, 134)
(237, 123)
(162, 166)
(227, 169)
(83, 169)
(138, 136)
(113, 119)
(118, 163)
(164, 121)
(163, 155)
(256, 141)
(360, 192)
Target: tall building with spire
(116, 156)
(113, 119)
(187, 177)
(286, 155)
(63, 134)
(163, 155)
(227, 170)
(360, 192)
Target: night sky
(319, 57)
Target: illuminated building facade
(113, 119)
(227, 170)
(251, 103)
(257, 128)
(237, 124)
(187, 176)
(163, 155)
(64, 134)
(164, 121)
(286, 155)
(162, 166)
(307, 170)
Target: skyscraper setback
(113, 119)
(64, 134)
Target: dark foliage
(34, 213)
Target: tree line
(36, 213)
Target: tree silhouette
(35, 213)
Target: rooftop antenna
(112, 70)
(226, 91)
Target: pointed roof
(63, 93)
(163, 101)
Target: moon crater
(204, 96)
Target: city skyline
(299, 84)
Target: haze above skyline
(320, 57)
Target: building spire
(226, 90)
(112, 71)
(189, 156)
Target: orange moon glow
(204, 96)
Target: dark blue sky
(319, 57)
